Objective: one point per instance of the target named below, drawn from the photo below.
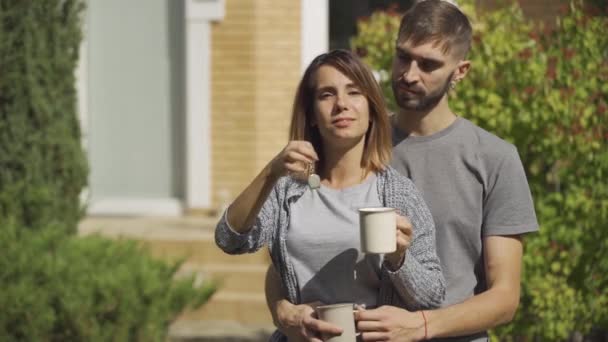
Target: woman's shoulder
(394, 178)
(288, 186)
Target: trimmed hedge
(57, 288)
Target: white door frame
(198, 17)
(314, 29)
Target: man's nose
(412, 73)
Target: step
(241, 307)
(202, 251)
(230, 277)
(217, 331)
(171, 238)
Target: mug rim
(370, 210)
(337, 305)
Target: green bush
(544, 90)
(54, 286)
(42, 166)
(57, 288)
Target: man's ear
(461, 71)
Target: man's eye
(428, 66)
(404, 58)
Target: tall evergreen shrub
(42, 165)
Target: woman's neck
(342, 167)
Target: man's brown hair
(439, 22)
(377, 150)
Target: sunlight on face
(341, 109)
(421, 75)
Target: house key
(314, 181)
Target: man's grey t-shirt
(323, 244)
(475, 186)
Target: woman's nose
(341, 103)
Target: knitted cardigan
(417, 284)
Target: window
(343, 15)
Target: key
(314, 181)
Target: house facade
(182, 102)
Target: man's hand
(299, 322)
(389, 323)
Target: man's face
(421, 75)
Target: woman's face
(341, 110)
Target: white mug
(341, 315)
(378, 228)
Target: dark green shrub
(544, 90)
(57, 288)
(54, 286)
(42, 165)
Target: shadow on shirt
(349, 277)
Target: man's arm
(495, 306)
(297, 322)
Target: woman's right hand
(294, 158)
(300, 323)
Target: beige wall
(255, 70)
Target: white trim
(198, 15)
(314, 29)
(198, 115)
(170, 207)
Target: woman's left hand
(404, 238)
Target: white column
(315, 29)
(198, 15)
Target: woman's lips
(342, 122)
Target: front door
(135, 106)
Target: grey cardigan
(418, 284)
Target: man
(473, 182)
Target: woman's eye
(354, 92)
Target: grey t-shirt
(323, 244)
(475, 186)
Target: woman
(339, 128)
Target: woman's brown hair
(377, 150)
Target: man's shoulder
(485, 143)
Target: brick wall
(255, 70)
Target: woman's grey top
(324, 245)
(417, 284)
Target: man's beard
(425, 102)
